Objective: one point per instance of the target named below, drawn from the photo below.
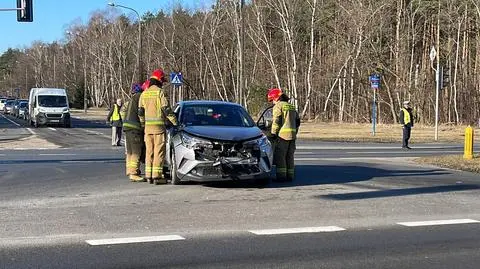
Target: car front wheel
(173, 170)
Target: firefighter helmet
(274, 94)
(159, 75)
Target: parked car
(22, 110)
(2, 103)
(216, 141)
(16, 107)
(8, 108)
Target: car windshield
(215, 115)
(52, 100)
(23, 104)
(9, 103)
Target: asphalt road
(351, 206)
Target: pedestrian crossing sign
(176, 79)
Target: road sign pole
(374, 111)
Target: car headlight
(193, 142)
(41, 110)
(263, 143)
(66, 110)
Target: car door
(264, 122)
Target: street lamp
(139, 48)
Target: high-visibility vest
(406, 116)
(116, 114)
(284, 124)
(157, 109)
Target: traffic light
(25, 12)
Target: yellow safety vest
(116, 113)
(285, 121)
(406, 116)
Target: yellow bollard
(468, 151)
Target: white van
(48, 106)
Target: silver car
(217, 141)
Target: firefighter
(154, 110)
(133, 135)
(115, 120)
(406, 120)
(284, 131)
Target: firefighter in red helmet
(284, 130)
(154, 111)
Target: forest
(320, 52)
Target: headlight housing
(66, 110)
(193, 142)
(263, 143)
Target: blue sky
(52, 17)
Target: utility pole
(241, 84)
(437, 92)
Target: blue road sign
(375, 81)
(176, 78)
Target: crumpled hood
(224, 133)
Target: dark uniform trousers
(284, 159)
(133, 147)
(407, 130)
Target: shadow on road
(309, 175)
(398, 192)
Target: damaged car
(216, 141)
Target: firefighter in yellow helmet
(133, 135)
(154, 110)
(284, 130)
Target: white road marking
(57, 154)
(51, 128)
(16, 124)
(311, 159)
(307, 153)
(437, 222)
(115, 241)
(325, 229)
(31, 131)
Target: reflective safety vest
(155, 110)
(406, 117)
(285, 121)
(116, 114)
(131, 121)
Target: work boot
(136, 178)
(159, 181)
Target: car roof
(207, 102)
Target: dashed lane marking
(324, 229)
(51, 128)
(129, 240)
(438, 222)
(404, 151)
(16, 124)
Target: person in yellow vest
(406, 120)
(154, 110)
(133, 135)
(115, 120)
(284, 131)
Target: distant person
(406, 120)
(286, 122)
(154, 111)
(115, 120)
(133, 129)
